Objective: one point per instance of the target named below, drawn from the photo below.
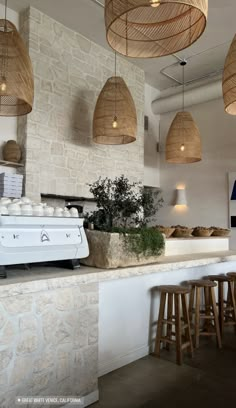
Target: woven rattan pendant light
(153, 28)
(229, 80)
(16, 74)
(115, 119)
(183, 143)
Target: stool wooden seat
(226, 302)
(208, 314)
(175, 296)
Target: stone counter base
(49, 344)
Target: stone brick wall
(70, 72)
(48, 339)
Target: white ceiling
(205, 57)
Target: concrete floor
(208, 380)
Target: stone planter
(108, 251)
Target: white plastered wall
(206, 182)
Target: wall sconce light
(180, 197)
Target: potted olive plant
(121, 236)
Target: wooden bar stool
(233, 275)
(175, 296)
(226, 303)
(208, 313)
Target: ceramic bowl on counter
(220, 232)
(182, 232)
(202, 232)
(168, 231)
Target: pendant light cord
(5, 28)
(183, 63)
(4, 64)
(5, 10)
(115, 81)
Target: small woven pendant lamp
(115, 119)
(229, 80)
(183, 143)
(153, 28)
(16, 73)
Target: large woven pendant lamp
(183, 143)
(115, 119)
(229, 80)
(153, 28)
(16, 73)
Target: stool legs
(160, 324)
(169, 318)
(230, 310)
(197, 318)
(221, 305)
(178, 330)
(188, 338)
(208, 315)
(181, 323)
(215, 314)
(226, 305)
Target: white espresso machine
(30, 239)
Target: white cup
(14, 209)
(5, 201)
(17, 201)
(74, 212)
(26, 209)
(48, 211)
(66, 213)
(37, 210)
(26, 200)
(3, 209)
(58, 212)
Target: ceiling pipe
(195, 96)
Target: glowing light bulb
(115, 123)
(182, 148)
(3, 86)
(155, 3)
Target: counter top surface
(40, 278)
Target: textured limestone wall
(48, 340)
(70, 72)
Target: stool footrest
(167, 340)
(232, 323)
(204, 333)
(170, 322)
(185, 345)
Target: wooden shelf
(10, 164)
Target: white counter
(195, 245)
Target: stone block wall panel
(49, 341)
(70, 72)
